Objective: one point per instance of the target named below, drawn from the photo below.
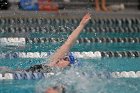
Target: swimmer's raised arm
(64, 49)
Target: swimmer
(62, 58)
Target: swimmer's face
(63, 63)
(52, 90)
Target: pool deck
(69, 13)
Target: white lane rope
(38, 75)
(84, 55)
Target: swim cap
(71, 58)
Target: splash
(79, 80)
(74, 80)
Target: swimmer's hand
(85, 19)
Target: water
(80, 79)
(74, 79)
(76, 82)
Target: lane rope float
(23, 75)
(84, 55)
